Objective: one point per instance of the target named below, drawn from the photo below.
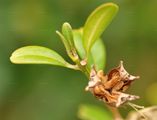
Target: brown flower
(109, 88)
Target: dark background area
(43, 92)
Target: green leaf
(79, 42)
(97, 54)
(65, 42)
(91, 112)
(97, 23)
(68, 34)
(38, 55)
(67, 38)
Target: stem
(82, 68)
(74, 67)
(85, 71)
(115, 113)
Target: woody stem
(115, 113)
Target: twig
(115, 113)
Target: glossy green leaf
(37, 55)
(67, 38)
(65, 42)
(68, 34)
(79, 42)
(91, 112)
(97, 23)
(97, 54)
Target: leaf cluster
(83, 46)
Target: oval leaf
(91, 112)
(97, 23)
(98, 52)
(37, 55)
(94, 58)
(79, 42)
(67, 32)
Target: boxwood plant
(86, 50)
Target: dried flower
(109, 88)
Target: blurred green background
(42, 92)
